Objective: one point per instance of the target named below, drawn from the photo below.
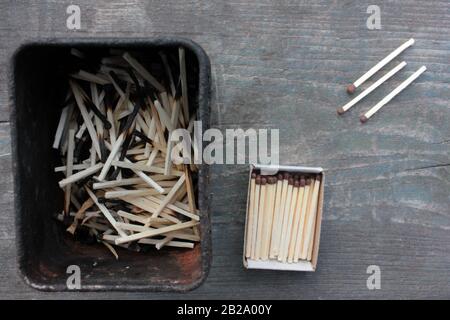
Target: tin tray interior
(45, 250)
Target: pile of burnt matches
(121, 186)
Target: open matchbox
(270, 262)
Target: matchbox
(283, 217)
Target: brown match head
(291, 181)
(263, 181)
(253, 175)
(351, 88)
(296, 177)
(340, 111)
(308, 181)
(302, 182)
(258, 179)
(280, 176)
(286, 175)
(319, 177)
(273, 180)
(363, 119)
(296, 183)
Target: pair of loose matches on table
(120, 186)
(282, 214)
(352, 87)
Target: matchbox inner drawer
(45, 250)
(274, 264)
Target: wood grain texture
(285, 64)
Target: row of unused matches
(281, 216)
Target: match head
(302, 182)
(280, 176)
(263, 180)
(286, 175)
(296, 183)
(296, 177)
(319, 177)
(340, 111)
(351, 88)
(291, 181)
(308, 181)
(258, 179)
(273, 180)
(253, 175)
(363, 119)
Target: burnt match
(116, 122)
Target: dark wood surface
(285, 64)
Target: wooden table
(285, 64)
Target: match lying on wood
(391, 95)
(379, 82)
(352, 87)
(283, 218)
(120, 186)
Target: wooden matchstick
(391, 95)
(310, 219)
(305, 203)
(143, 72)
(286, 210)
(279, 223)
(268, 217)
(63, 120)
(352, 87)
(284, 248)
(115, 149)
(254, 227)
(132, 193)
(261, 211)
(375, 85)
(169, 196)
(182, 60)
(80, 175)
(296, 222)
(106, 213)
(69, 169)
(85, 115)
(276, 218)
(248, 235)
(155, 232)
